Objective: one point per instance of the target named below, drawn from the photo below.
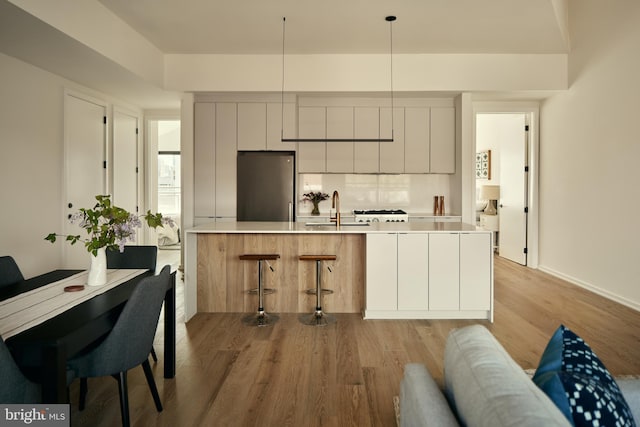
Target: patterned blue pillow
(579, 384)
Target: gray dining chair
(128, 343)
(135, 256)
(9, 271)
(14, 386)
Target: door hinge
(526, 168)
(104, 119)
(525, 250)
(136, 209)
(526, 209)
(526, 128)
(136, 131)
(104, 164)
(136, 169)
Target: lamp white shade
(490, 192)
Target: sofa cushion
(487, 388)
(422, 404)
(579, 384)
(630, 388)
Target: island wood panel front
(224, 279)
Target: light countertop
(301, 227)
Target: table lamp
(492, 194)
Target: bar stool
(261, 318)
(318, 318)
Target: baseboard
(596, 290)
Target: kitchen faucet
(335, 204)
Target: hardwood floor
(346, 374)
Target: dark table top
(76, 327)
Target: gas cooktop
(380, 212)
(380, 215)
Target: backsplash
(410, 192)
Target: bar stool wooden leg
(318, 317)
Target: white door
(85, 173)
(513, 189)
(125, 161)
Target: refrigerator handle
(290, 212)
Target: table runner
(31, 308)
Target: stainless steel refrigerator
(266, 186)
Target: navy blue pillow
(579, 384)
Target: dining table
(46, 320)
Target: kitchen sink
(333, 224)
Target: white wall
(31, 142)
(31, 158)
(589, 174)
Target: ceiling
(255, 27)
(344, 26)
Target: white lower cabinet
(413, 271)
(476, 261)
(444, 271)
(382, 272)
(429, 275)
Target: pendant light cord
(390, 19)
(284, 19)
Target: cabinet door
(366, 126)
(226, 159)
(444, 271)
(276, 126)
(340, 153)
(252, 126)
(443, 140)
(416, 140)
(392, 153)
(475, 271)
(312, 124)
(204, 151)
(382, 272)
(413, 271)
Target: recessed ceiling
(344, 26)
(255, 27)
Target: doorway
(85, 137)
(164, 184)
(509, 133)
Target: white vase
(98, 269)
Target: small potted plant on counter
(315, 197)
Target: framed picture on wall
(483, 165)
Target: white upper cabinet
(226, 159)
(340, 126)
(416, 140)
(442, 139)
(367, 126)
(392, 153)
(252, 126)
(204, 135)
(312, 156)
(276, 126)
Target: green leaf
(51, 237)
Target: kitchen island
(384, 270)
